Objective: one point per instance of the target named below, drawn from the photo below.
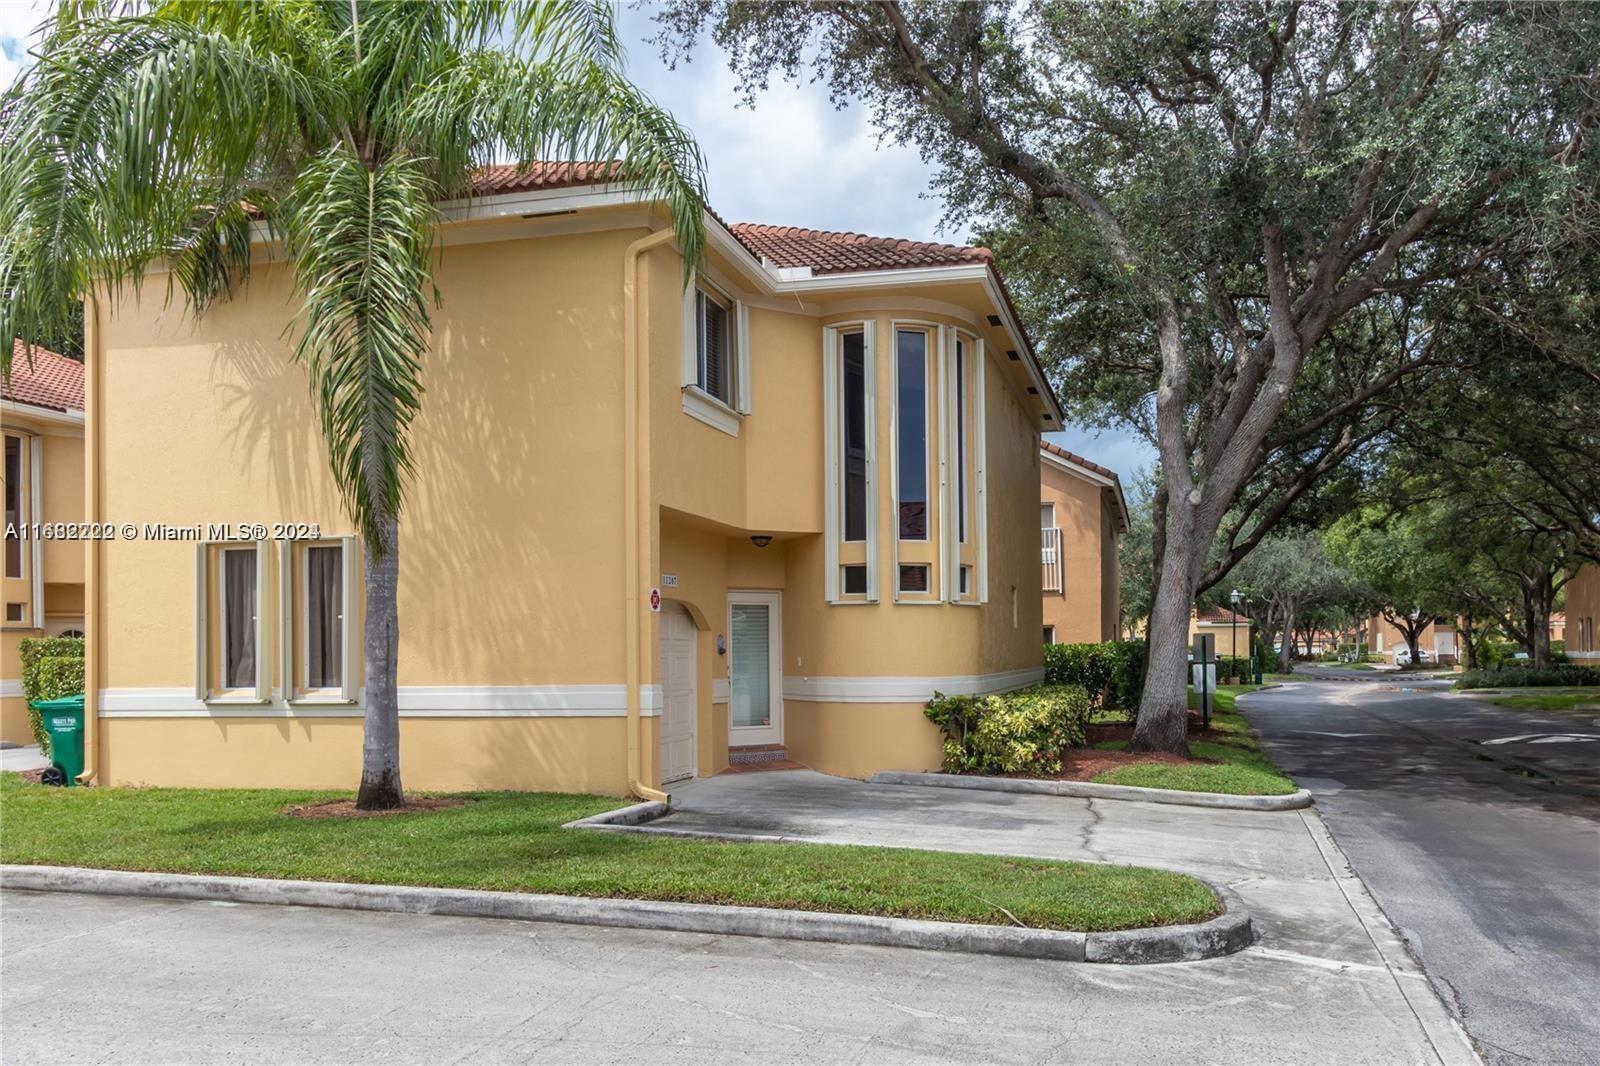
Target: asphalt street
(1477, 828)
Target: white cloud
(793, 159)
(18, 20)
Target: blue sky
(792, 160)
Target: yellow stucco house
(1583, 610)
(1082, 516)
(651, 531)
(41, 583)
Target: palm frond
(499, 106)
(361, 244)
(114, 140)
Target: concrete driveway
(1326, 951)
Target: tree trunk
(1286, 646)
(380, 736)
(1469, 649)
(1163, 723)
(1539, 605)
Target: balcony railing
(1050, 556)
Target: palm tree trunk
(380, 737)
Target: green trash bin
(63, 720)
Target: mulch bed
(1083, 764)
(346, 808)
(36, 776)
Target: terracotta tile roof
(45, 380)
(1073, 457)
(1095, 468)
(824, 251)
(828, 252)
(506, 177)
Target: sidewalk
(20, 760)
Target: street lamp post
(1233, 632)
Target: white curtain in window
(750, 659)
(239, 642)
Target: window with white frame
(317, 600)
(849, 400)
(716, 356)
(964, 457)
(230, 634)
(716, 323)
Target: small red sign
(655, 600)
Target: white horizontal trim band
(10, 688)
(904, 689)
(416, 701)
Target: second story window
(849, 398)
(911, 422)
(853, 423)
(716, 344)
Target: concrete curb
(1090, 790)
(1227, 933)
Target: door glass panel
(750, 686)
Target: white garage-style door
(677, 693)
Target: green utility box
(63, 720)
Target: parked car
(1402, 656)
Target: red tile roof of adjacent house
(829, 252)
(44, 380)
(1216, 615)
(1094, 468)
(1073, 457)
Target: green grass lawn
(1240, 769)
(514, 841)
(1559, 699)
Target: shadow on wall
(510, 540)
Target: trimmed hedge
(1111, 673)
(52, 667)
(1010, 732)
(1527, 677)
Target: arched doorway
(678, 697)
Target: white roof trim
(1094, 478)
(72, 416)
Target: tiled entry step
(753, 754)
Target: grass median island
(1524, 700)
(1237, 765)
(514, 842)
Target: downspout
(93, 364)
(635, 505)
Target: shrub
(52, 667)
(1111, 673)
(1012, 732)
(1527, 677)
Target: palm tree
(163, 138)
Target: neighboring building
(1230, 631)
(1082, 513)
(829, 475)
(41, 580)
(1582, 615)
(1438, 639)
(1558, 626)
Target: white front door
(755, 669)
(677, 693)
